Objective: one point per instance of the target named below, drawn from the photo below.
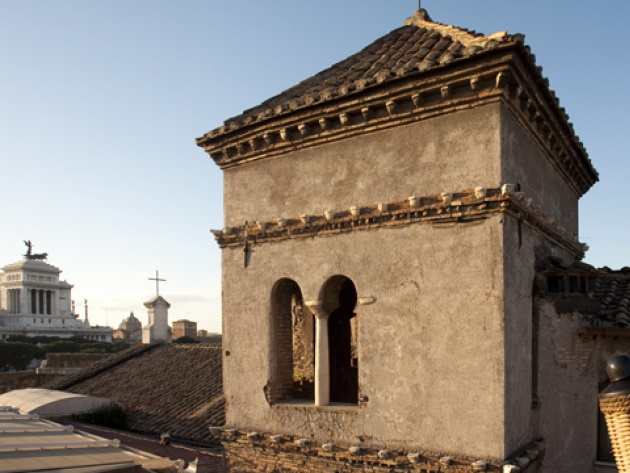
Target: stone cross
(157, 282)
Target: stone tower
(157, 330)
(396, 205)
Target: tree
(17, 355)
(61, 347)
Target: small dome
(131, 323)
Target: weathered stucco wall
(567, 391)
(524, 163)
(519, 260)
(570, 370)
(431, 354)
(448, 153)
(520, 245)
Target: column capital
(317, 309)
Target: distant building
(184, 328)
(157, 330)
(129, 330)
(35, 302)
(209, 337)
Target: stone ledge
(307, 454)
(310, 406)
(447, 208)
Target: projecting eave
(502, 75)
(440, 70)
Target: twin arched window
(294, 347)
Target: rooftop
(166, 388)
(415, 72)
(29, 444)
(613, 292)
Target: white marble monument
(34, 301)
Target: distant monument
(35, 302)
(29, 255)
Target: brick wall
(256, 453)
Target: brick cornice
(446, 208)
(507, 74)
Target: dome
(131, 323)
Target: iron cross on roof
(157, 282)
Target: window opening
(342, 346)
(555, 284)
(293, 374)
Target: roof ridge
(421, 19)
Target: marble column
(322, 362)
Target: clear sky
(101, 100)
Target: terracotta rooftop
(166, 388)
(613, 290)
(419, 45)
(604, 301)
(415, 72)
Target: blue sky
(100, 102)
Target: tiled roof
(613, 292)
(418, 71)
(166, 388)
(419, 45)
(99, 367)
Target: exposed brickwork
(255, 453)
(282, 382)
(577, 354)
(303, 346)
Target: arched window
(339, 300)
(293, 373)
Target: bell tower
(394, 207)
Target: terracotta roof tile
(166, 388)
(613, 291)
(418, 40)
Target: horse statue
(30, 255)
